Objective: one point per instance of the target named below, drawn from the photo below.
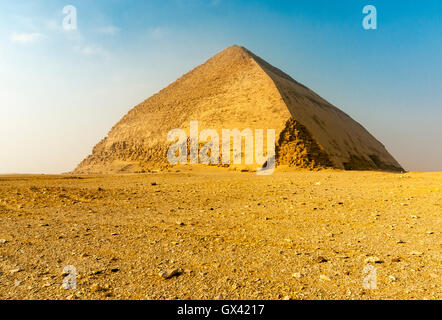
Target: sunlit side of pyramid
(236, 89)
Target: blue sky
(61, 91)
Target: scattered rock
(320, 259)
(373, 259)
(392, 278)
(324, 277)
(171, 273)
(97, 272)
(13, 271)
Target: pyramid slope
(235, 89)
(348, 144)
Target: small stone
(153, 183)
(392, 278)
(170, 273)
(324, 277)
(3, 241)
(400, 242)
(416, 253)
(373, 260)
(115, 270)
(13, 271)
(396, 260)
(320, 259)
(97, 272)
(297, 275)
(17, 283)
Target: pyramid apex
(236, 48)
(232, 53)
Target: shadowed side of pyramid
(236, 89)
(347, 143)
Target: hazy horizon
(61, 91)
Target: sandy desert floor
(231, 235)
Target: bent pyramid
(237, 89)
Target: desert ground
(193, 233)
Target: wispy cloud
(93, 50)
(110, 30)
(25, 38)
